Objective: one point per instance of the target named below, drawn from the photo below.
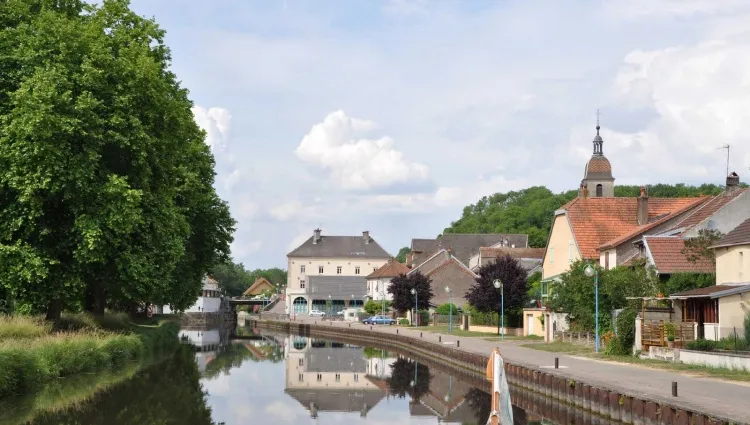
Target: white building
(208, 301)
(328, 272)
(379, 280)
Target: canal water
(266, 378)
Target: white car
(317, 313)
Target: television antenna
(727, 148)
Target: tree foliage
(530, 211)
(486, 298)
(376, 307)
(401, 287)
(402, 380)
(679, 282)
(106, 193)
(699, 248)
(234, 278)
(575, 293)
(402, 253)
(446, 309)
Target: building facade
(328, 273)
(379, 281)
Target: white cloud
(284, 212)
(357, 163)
(640, 8)
(232, 180)
(216, 122)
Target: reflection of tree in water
(402, 382)
(166, 393)
(235, 354)
(481, 403)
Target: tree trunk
(54, 310)
(100, 299)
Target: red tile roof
(740, 235)
(702, 292)
(646, 227)
(595, 221)
(666, 253)
(513, 252)
(390, 269)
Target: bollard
(440, 339)
(370, 327)
(420, 334)
(674, 389)
(557, 362)
(458, 343)
(350, 325)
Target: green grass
(697, 370)
(80, 344)
(457, 331)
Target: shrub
(701, 345)
(625, 331)
(87, 321)
(747, 327)
(446, 309)
(403, 321)
(23, 327)
(376, 307)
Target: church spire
(598, 142)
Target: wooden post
(495, 407)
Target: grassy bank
(33, 352)
(688, 369)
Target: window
(606, 260)
(570, 251)
(338, 377)
(356, 378)
(599, 191)
(742, 265)
(320, 269)
(301, 377)
(338, 269)
(302, 284)
(302, 268)
(552, 255)
(356, 270)
(301, 362)
(376, 287)
(374, 269)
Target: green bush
(23, 327)
(747, 327)
(446, 309)
(376, 307)
(87, 321)
(625, 331)
(403, 321)
(701, 345)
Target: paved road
(720, 398)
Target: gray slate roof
(337, 400)
(419, 245)
(330, 359)
(340, 247)
(740, 235)
(466, 245)
(338, 287)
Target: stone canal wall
(601, 402)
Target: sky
(392, 115)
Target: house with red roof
(379, 280)
(445, 270)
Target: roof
(598, 167)
(258, 283)
(419, 245)
(340, 247)
(595, 221)
(715, 291)
(465, 245)
(707, 210)
(666, 255)
(648, 226)
(390, 269)
(337, 400)
(513, 252)
(740, 235)
(321, 287)
(453, 261)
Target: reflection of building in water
(329, 376)
(207, 343)
(445, 400)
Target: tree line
(530, 211)
(106, 194)
(235, 279)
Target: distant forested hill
(531, 210)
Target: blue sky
(392, 115)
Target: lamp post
(499, 285)
(416, 304)
(382, 302)
(450, 312)
(591, 271)
(330, 305)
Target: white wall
(205, 305)
(377, 286)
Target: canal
(263, 377)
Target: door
(530, 320)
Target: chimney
(585, 190)
(316, 236)
(733, 183)
(448, 253)
(366, 236)
(643, 207)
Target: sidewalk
(710, 396)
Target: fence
(715, 338)
(445, 319)
(579, 338)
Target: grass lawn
(489, 336)
(688, 369)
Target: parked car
(379, 320)
(317, 313)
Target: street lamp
(591, 271)
(416, 304)
(382, 302)
(450, 314)
(499, 285)
(330, 305)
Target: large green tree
(234, 278)
(530, 211)
(106, 193)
